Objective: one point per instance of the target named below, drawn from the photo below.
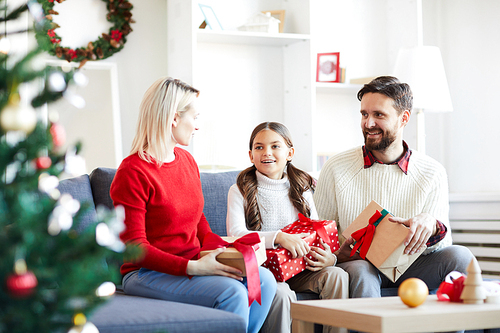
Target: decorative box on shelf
(260, 22)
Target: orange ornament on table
(413, 292)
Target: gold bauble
(15, 117)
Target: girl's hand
(208, 265)
(293, 243)
(324, 257)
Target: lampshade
(422, 68)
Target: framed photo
(278, 14)
(328, 67)
(210, 18)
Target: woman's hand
(293, 243)
(208, 265)
(324, 257)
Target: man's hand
(344, 253)
(293, 243)
(208, 265)
(324, 257)
(422, 227)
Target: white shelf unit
(249, 38)
(244, 78)
(327, 87)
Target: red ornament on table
(22, 283)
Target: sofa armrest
(79, 188)
(100, 181)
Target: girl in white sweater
(268, 196)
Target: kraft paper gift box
(280, 261)
(386, 251)
(234, 258)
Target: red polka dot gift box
(280, 262)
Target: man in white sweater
(410, 185)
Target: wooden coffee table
(389, 314)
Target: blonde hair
(165, 98)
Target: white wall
(467, 33)
(368, 34)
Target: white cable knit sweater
(275, 207)
(345, 188)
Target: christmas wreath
(119, 13)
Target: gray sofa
(124, 313)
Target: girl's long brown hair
(300, 181)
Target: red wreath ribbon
(318, 226)
(364, 236)
(247, 245)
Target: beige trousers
(330, 282)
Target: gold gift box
(387, 248)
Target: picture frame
(211, 19)
(280, 15)
(328, 67)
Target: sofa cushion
(126, 314)
(79, 188)
(100, 180)
(215, 187)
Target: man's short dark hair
(391, 87)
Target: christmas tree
(53, 274)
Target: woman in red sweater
(159, 186)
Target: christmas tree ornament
(57, 82)
(106, 289)
(80, 79)
(22, 283)
(82, 325)
(47, 183)
(77, 100)
(58, 134)
(75, 164)
(4, 45)
(70, 205)
(15, 117)
(43, 162)
(473, 292)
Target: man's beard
(387, 139)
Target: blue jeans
(215, 291)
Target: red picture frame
(328, 67)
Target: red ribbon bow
(364, 236)
(318, 226)
(451, 291)
(247, 245)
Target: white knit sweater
(345, 188)
(275, 207)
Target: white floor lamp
(422, 68)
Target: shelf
(250, 38)
(327, 87)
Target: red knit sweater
(163, 211)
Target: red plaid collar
(402, 162)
